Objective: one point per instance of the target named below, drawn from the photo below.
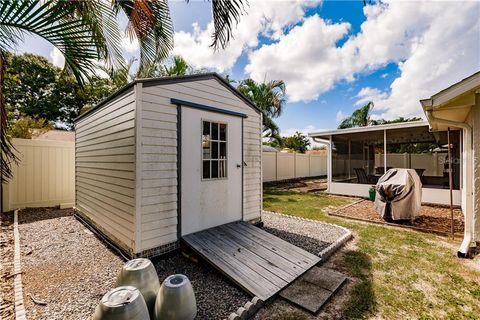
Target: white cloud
(306, 59)
(267, 18)
(367, 94)
(130, 45)
(434, 44)
(57, 58)
(340, 115)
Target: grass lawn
(401, 274)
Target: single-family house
(359, 156)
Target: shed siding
(105, 169)
(159, 155)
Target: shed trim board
(173, 80)
(206, 108)
(138, 165)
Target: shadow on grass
(361, 302)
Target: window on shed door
(214, 150)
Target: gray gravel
(63, 264)
(311, 236)
(216, 296)
(67, 266)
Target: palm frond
(57, 22)
(104, 27)
(226, 15)
(7, 155)
(150, 23)
(51, 20)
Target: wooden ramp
(259, 262)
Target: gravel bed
(68, 267)
(63, 264)
(311, 236)
(7, 297)
(432, 218)
(216, 296)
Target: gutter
(467, 179)
(329, 159)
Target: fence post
(309, 165)
(276, 166)
(294, 164)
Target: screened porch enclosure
(362, 157)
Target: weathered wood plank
(266, 237)
(236, 275)
(255, 260)
(227, 243)
(276, 260)
(276, 247)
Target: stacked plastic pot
(139, 296)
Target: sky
(334, 56)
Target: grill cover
(399, 195)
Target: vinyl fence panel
(44, 176)
(278, 166)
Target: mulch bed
(7, 298)
(435, 219)
(302, 185)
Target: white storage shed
(163, 158)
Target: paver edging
(20, 313)
(330, 249)
(247, 310)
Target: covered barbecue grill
(399, 195)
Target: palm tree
(270, 97)
(86, 31)
(359, 118)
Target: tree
(28, 127)
(298, 142)
(36, 88)
(270, 97)
(85, 31)
(359, 118)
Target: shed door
(211, 169)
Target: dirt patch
(300, 185)
(7, 298)
(432, 218)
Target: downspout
(329, 160)
(467, 180)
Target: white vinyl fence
(432, 163)
(281, 166)
(44, 176)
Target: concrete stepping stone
(313, 289)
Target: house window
(214, 150)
